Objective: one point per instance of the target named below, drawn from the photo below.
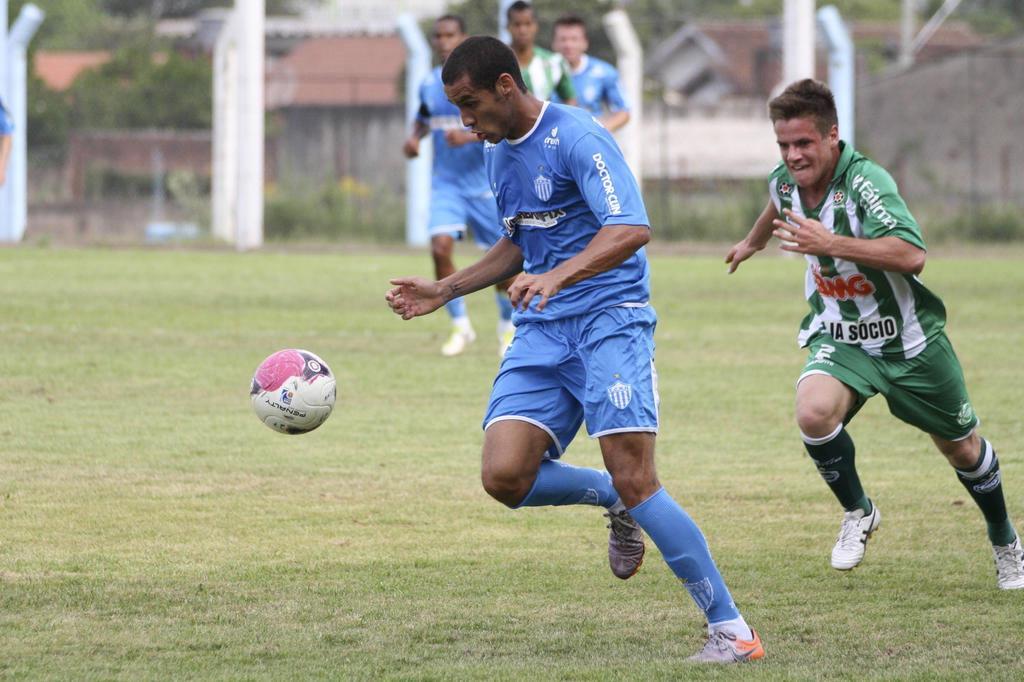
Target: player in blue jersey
(596, 81)
(460, 197)
(575, 228)
(6, 131)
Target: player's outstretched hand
(411, 148)
(525, 287)
(803, 235)
(739, 253)
(414, 296)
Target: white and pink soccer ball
(293, 391)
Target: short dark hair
(570, 19)
(453, 17)
(484, 58)
(807, 97)
(520, 6)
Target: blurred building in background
(714, 78)
(950, 131)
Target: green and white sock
(984, 483)
(834, 455)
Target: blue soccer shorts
(596, 368)
(451, 212)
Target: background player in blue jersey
(575, 227)
(6, 130)
(596, 81)
(460, 197)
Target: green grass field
(151, 528)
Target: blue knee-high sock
(504, 305)
(686, 552)
(559, 484)
(456, 308)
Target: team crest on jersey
(966, 414)
(785, 188)
(839, 198)
(543, 187)
(620, 394)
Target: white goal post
(13, 79)
(238, 131)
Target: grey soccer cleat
(1009, 565)
(853, 537)
(625, 544)
(723, 647)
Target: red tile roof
(753, 61)
(338, 71)
(60, 69)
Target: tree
(78, 25)
(48, 113)
(164, 9)
(133, 90)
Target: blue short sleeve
(606, 182)
(6, 122)
(423, 112)
(613, 94)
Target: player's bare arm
(609, 248)
(416, 296)
(458, 138)
(5, 152)
(411, 147)
(755, 240)
(807, 236)
(615, 119)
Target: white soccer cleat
(723, 647)
(458, 341)
(1009, 565)
(506, 332)
(853, 537)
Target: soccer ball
(293, 391)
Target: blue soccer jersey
(556, 187)
(597, 86)
(6, 122)
(455, 167)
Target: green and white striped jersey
(888, 314)
(548, 73)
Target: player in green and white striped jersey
(873, 326)
(544, 72)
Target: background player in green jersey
(544, 72)
(873, 326)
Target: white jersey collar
(584, 61)
(543, 108)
